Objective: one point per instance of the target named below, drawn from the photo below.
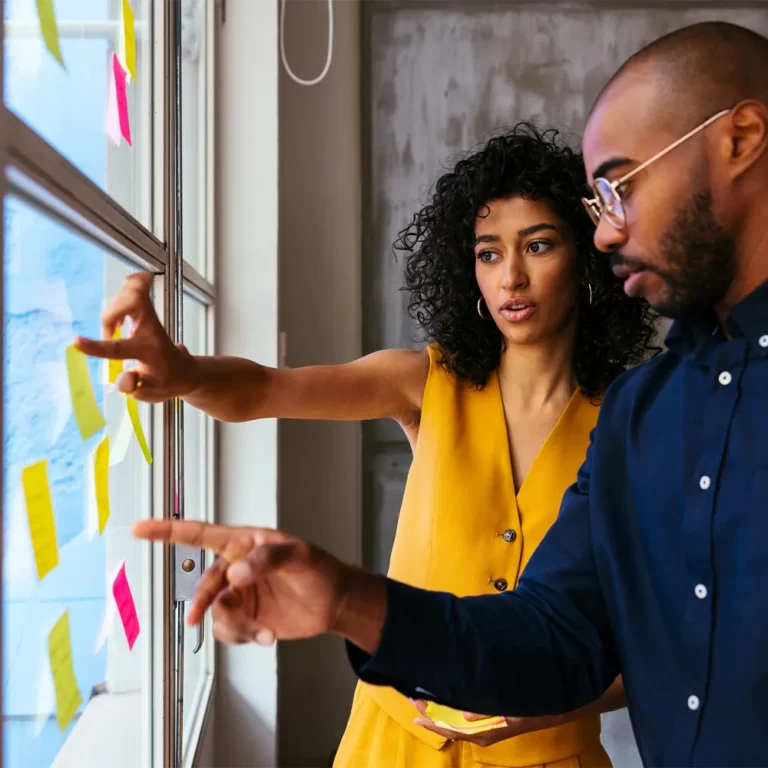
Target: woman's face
(525, 264)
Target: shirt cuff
(408, 655)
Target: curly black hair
(614, 331)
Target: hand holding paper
(445, 717)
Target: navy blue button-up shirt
(657, 568)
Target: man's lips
(623, 271)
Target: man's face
(671, 251)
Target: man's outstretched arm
(544, 649)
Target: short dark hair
(703, 68)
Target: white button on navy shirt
(693, 703)
(701, 591)
(724, 378)
(705, 482)
(764, 341)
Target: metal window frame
(36, 172)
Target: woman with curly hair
(526, 328)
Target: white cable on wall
(288, 69)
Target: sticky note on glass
(133, 412)
(445, 717)
(112, 123)
(49, 28)
(126, 608)
(42, 527)
(115, 366)
(101, 480)
(68, 698)
(128, 42)
(87, 413)
(121, 96)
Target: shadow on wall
(238, 725)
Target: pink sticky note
(113, 120)
(122, 98)
(126, 607)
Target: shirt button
(693, 703)
(509, 535)
(725, 378)
(704, 482)
(701, 591)
(764, 340)
(500, 584)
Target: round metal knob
(188, 565)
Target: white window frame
(35, 172)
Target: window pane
(194, 133)
(196, 487)
(55, 287)
(68, 108)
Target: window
(82, 209)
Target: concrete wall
(320, 313)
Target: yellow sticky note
(42, 527)
(445, 717)
(115, 366)
(129, 39)
(87, 413)
(68, 698)
(49, 28)
(133, 412)
(101, 478)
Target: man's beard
(698, 258)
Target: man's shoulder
(639, 385)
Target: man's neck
(751, 272)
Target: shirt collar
(748, 319)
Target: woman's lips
(517, 315)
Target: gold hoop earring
(480, 309)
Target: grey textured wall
(441, 77)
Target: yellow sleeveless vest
(462, 529)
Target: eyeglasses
(607, 199)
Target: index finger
(230, 543)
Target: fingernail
(239, 573)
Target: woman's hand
(163, 370)
(514, 727)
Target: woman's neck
(537, 376)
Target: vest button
(509, 535)
(500, 584)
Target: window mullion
(43, 165)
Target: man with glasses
(657, 567)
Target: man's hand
(514, 727)
(163, 370)
(267, 585)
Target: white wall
(245, 714)
(320, 311)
